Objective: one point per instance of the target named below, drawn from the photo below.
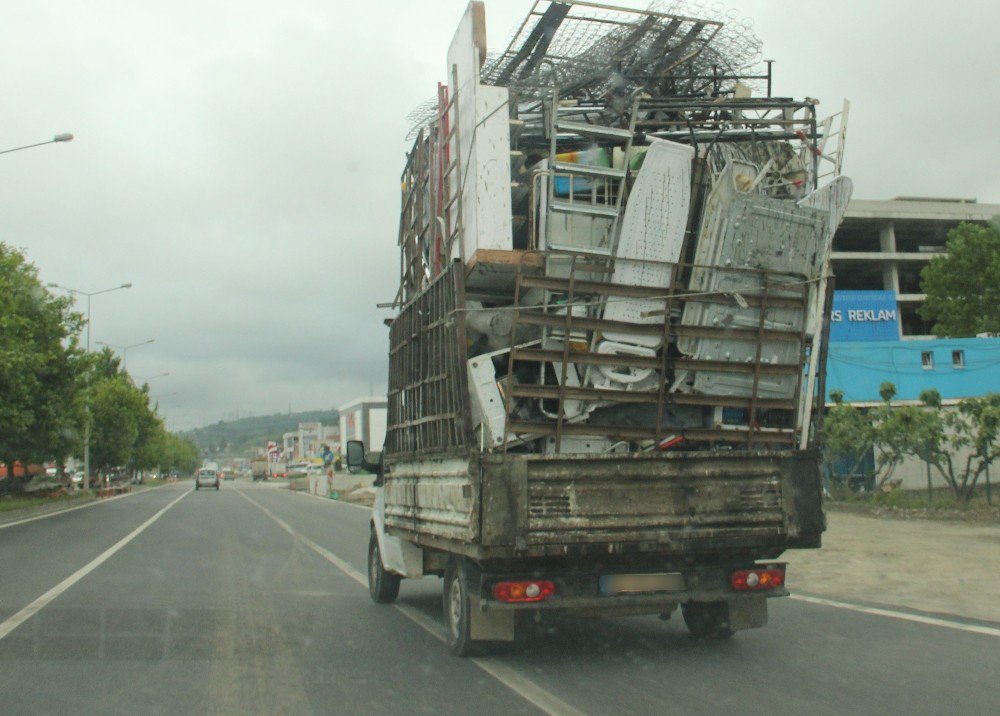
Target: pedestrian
(327, 460)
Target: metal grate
(428, 392)
(549, 505)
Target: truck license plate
(640, 583)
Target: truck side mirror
(355, 456)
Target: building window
(958, 359)
(927, 360)
(911, 322)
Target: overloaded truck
(606, 354)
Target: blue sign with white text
(864, 316)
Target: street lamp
(65, 137)
(154, 377)
(124, 350)
(86, 402)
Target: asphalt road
(250, 600)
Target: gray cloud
(239, 163)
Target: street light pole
(152, 377)
(86, 401)
(65, 137)
(124, 350)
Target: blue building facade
(956, 367)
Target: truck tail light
(535, 590)
(761, 578)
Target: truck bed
(731, 504)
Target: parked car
(206, 477)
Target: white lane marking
(505, 674)
(99, 501)
(933, 621)
(29, 611)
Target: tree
(893, 432)
(963, 286)
(177, 453)
(39, 364)
(117, 409)
(930, 432)
(848, 434)
(974, 427)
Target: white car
(206, 477)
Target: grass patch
(917, 504)
(9, 503)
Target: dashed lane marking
(505, 674)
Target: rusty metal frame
(428, 413)
(751, 435)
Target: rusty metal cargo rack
(779, 291)
(428, 394)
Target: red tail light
(534, 590)
(747, 580)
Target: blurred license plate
(639, 583)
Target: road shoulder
(935, 567)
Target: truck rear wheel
(707, 620)
(458, 610)
(383, 586)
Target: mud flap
(748, 613)
(492, 625)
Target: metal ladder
(605, 202)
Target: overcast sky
(239, 162)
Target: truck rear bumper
(603, 593)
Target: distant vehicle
(228, 475)
(206, 477)
(258, 468)
(303, 469)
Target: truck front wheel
(382, 585)
(707, 620)
(458, 610)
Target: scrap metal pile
(610, 243)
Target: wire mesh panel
(428, 404)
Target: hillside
(235, 437)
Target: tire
(383, 586)
(707, 620)
(458, 610)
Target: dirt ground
(933, 566)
